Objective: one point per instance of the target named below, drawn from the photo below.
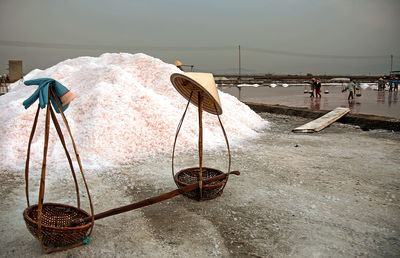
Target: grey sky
(286, 36)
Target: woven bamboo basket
(51, 222)
(189, 176)
(55, 229)
(200, 90)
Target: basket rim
(75, 228)
(204, 186)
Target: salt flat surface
(126, 110)
(335, 193)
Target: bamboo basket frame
(49, 222)
(208, 191)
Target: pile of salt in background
(126, 110)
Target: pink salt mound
(126, 110)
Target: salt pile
(126, 110)
(248, 85)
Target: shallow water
(382, 103)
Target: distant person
(381, 84)
(391, 84)
(8, 78)
(313, 86)
(350, 87)
(318, 88)
(396, 84)
(356, 87)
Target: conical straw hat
(177, 63)
(185, 83)
(67, 98)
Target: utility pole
(391, 64)
(240, 66)
(240, 75)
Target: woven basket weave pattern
(55, 221)
(191, 175)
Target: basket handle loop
(28, 154)
(227, 145)
(60, 135)
(77, 158)
(177, 133)
(57, 126)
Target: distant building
(15, 70)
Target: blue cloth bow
(42, 93)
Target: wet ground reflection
(382, 103)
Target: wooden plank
(323, 121)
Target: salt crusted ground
(331, 194)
